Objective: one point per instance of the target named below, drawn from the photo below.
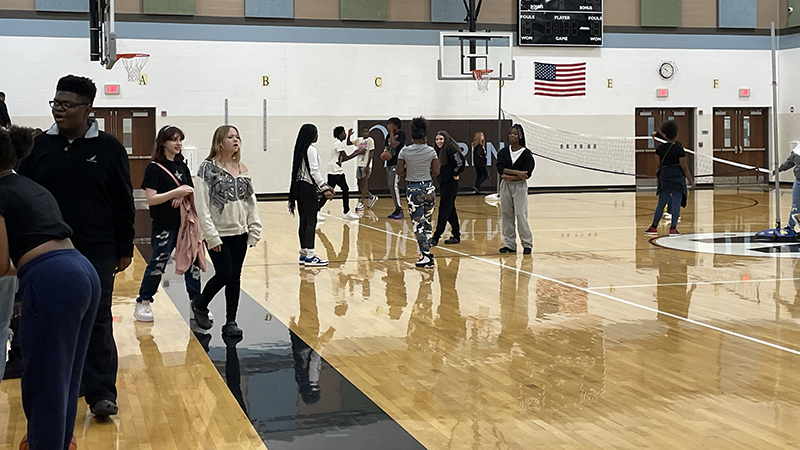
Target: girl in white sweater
(229, 223)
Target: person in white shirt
(306, 183)
(364, 168)
(336, 176)
(227, 212)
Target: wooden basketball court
(600, 339)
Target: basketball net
(134, 63)
(478, 76)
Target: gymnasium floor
(600, 339)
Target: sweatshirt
(226, 205)
(524, 162)
(792, 161)
(455, 165)
(91, 182)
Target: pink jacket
(190, 246)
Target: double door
(136, 130)
(740, 136)
(649, 120)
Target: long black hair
(305, 137)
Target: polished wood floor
(599, 339)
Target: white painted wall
(332, 84)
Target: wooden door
(649, 120)
(740, 136)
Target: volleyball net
(614, 155)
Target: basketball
(24, 444)
(386, 156)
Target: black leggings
(341, 181)
(307, 208)
(481, 175)
(228, 264)
(447, 210)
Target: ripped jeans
(163, 243)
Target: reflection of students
(671, 293)
(307, 362)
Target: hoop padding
(134, 63)
(616, 155)
(483, 83)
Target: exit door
(740, 135)
(649, 120)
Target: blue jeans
(8, 289)
(795, 204)
(670, 192)
(421, 200)
(163, 243)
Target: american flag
(560, 80)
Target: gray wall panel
(448, 11)
(62, 5)
(737, 13)
(280, 9)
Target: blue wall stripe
(330, 35)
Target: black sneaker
(453, 240)
(505, 249)
(527, 251)
(426, 260)
(434, 241)
(231, 329)
(104, 408)
(201, 318)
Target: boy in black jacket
(87, 172)
(515, 165)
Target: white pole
(774, 139)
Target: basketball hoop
(478, 75)
(134, 62)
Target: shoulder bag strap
(168, 172)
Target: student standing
(336, 176)
(419, 164)
(395, 141)
(452, 164)
(671, 188)
(364, 168)
(5, 120)
(59, 292)
(167, 181)
(793, 161)
(479, 160)
(229, 223)
(306, 183)
(515, 165)
(87, 172)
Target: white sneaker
(351, 215)
(320, 217)
(316, 261)
(360, 206)
(372, 201)
(143, 312)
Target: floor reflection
(294, 398)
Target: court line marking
(765, 280)
(600, 294)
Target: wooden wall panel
(409, 11)
(316, 9)
(699, 14)
(504, 12)
(24, 5)
(622, 13)
(220, 8)
(128, 6)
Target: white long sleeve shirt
(312, 176)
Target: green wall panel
(661, 13)
(794, 16)
(178, 7)
(363, 9)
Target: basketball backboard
(461, 52)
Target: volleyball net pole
(774, 117)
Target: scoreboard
(560, 23)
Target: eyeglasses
(66, 105)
